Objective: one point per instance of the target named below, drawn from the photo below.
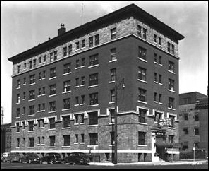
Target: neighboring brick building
(193, 121)
(5, 137)
(63, 94)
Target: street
(128, 166)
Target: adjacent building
(64, 90)
(5, 137)
(193, 121)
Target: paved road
(64, 166)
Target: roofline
(130, 10)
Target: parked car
(51, 158)
(77, 158)
(14, 157)
(30, 158)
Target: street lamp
(117, 86)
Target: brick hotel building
(63, 93)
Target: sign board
(165, 122)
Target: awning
(161, 144)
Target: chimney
(61, 30)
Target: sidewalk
(150, 163)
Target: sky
(25, 24)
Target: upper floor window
(44, 74)
(159, 40)
(160, 79)
(83, 80)
(196, 131)
(171, 84)
(141, 138)
(93, 79)
(18, 98)
(31, 142)
(142, 53)
(157, 116)
(83, 62)
(44, 58)
(18, 142)
(83, 43)
(52, 89)
(66, 86)
(171, 138)
(112, 95)
(24, 81)
(77, 45)
(18, 126)
(66, 68)
(66, 140)
(94, 59)
(90, 41)
(18, 69)
(171, 66)
(186, 116)
(172, 118)
(186, 131)
(113, 33)
(66, 121)
(142, 115)
(66, 103)
(77, 63)
(76, 82)
(51, 56)
(31, 110)
(171, 103)
(52, 140)
(96, 37)
(34, 63)
(139, 30)
(160, 60)
(155, 77)
(172, 48)
(113, 74)
(18, 112)
(25, 65)
(155, 38)
(31, 94)
(196, 117)
(52, 72)
(93, 118)
(30, 65)
(155, 96)
(93, 138)
(31, 125)
(39, 59)
(141, 73)
(70, 49)
(144, 33)
(82, 99)
(142, 95)
(55, 55)
(113, 54)
(65, 51)
(52, 106)
(32, 79)
(155, 57)
(93, 99)
(168, 47)
(51, 123)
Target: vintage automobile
(14, 157)
(30, 158)
(77, 158)
(51, 158)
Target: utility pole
(115, 160)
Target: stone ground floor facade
(138, 140)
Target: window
(66, 140)
(159, 40)
(142, 115)
(51, 57)
(52, 72)
(66, 86)
(51, 123)
(39, 140)
(93, 137)
(185, 146)
(52, 106)
(82, 99)
(172, 118)
(96, 38)
(83, 43)
(18, 69)
(43, 106)
(83, 62)
(30, 125)
(139, 30)
(94, 59)
(93, 99)
(52, 89)
(155, 96)
(44, 58)
(93, 79)
(18, 126)
(144, 33)
(39, 59)
(113, 54)
(66, 103)
(23, 110)
(93, 118)
(112, 137)
(185, 131)
(18, 142)
(160, 60)
(18, 98)
(82, 118)
(44, 75)
(155, 57)
(31, 94)
(171, 138)
(160, 98)
(24, 81)
(168, 47)
(141, 138)
(196, 131)
(24, 96)
(52, 140)
(39, 91)
(82, 138)
(31, 110)
(76, 138)
(18, 112)
(76, 118)
(66, 121)
(172, 48)
(142, 53)
(113, 74)
(142, 95)
(42, 140)
(186, 116)
(32, 79)
(65, 51)
(142, 74)
(77, 82)
(155, 77)
(90, 41)
(25, 65)
(171, 103)
(157, 116)
(77, 100)
(66, 68)
(155, 38)
(77, 45)
(113, 33)
(70, 49)
(41, 123)
(77, 63)
(196, 117)
(112, 95)
(34, 63)
(160, 79)
(30, 65)
(171, 84)
(83, 80)
(39, 107)
(18, 83)
(112, 115)
(43, 90)
(31, 142)
(171, 66)
(23, 124)
(39, 75)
